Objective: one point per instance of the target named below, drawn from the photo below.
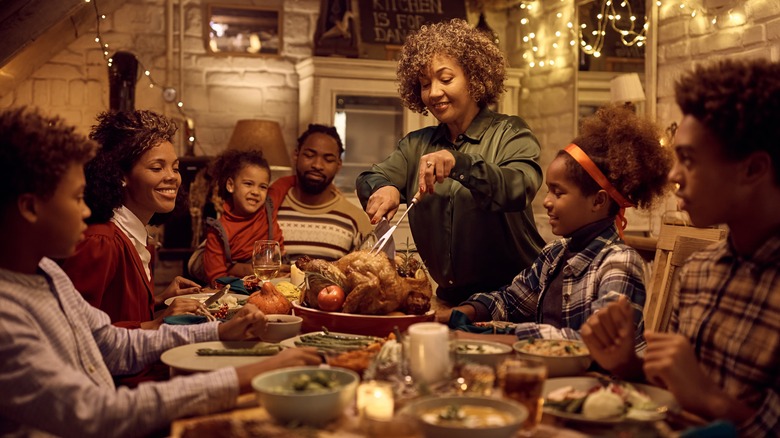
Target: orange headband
(581, 157)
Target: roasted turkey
(371, 282)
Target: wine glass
(266, 259)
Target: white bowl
(568, 364)
(517, 412)
(311, 408)
(281, 327)
(482, 352)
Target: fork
(377, 248)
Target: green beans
(265, 350)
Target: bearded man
(316, 219)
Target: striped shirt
(605, 269)
(327, 231)
(729, 308)
(59, 353)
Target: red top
(242, 231)
(109, 273)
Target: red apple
(331, 298)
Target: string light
(189, 123)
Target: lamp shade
(265, 135)
(626, 88)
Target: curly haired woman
(616, 162)
(475, 174)
(134, 176)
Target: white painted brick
(77, 92)
(723, 40)
(71, 116)
(40, 93)
(68, 57)
(57, 71)
(234, 99)
(296, 29)
(23, 93)
(134, 18)
(7, 100)
(304, 6)
(224, 78)
(59, 92)
(773, 30)
(556, 101)
(96, 95)
(753, 35)
(561, 76)
(672, 31)
(266, 80)
(760, 10)
(536, 81)
(674, 51)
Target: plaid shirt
(605, 269)
(729, 308)
(58, 354)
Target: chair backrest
(676, 243)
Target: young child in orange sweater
(243, 178)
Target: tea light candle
(429, 351)
(375, 400)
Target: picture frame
(242, 30)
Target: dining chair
(677, 240)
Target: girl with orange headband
(617, 162)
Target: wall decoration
(243, 30)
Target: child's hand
(609, 335)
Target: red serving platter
(369, 325)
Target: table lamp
(265, 135)
(626, 88)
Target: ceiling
(33, 31)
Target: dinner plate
(203, 297)
(185, 357)
(663, 398)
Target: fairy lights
(189, 125)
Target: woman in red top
(134, 177)
(242, 179)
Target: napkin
(459, 321)
(185, 319)
(236, 284)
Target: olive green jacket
(477, 231)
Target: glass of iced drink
(521, 380)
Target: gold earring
(124, 184)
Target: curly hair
(739, 103)
(229, 163)
(322, 129)
(125, 136)
(482, 62)
(627, 150)
(37, 151)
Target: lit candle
(375, 400)
(429, 352)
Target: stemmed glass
(266, 259)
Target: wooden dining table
(248, 418)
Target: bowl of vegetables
(307, 395)
(563, 357)
(466, 416)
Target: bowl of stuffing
(482, 352)
(307, 395)
(563, 357)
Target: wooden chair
(676, 242)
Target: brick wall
(216, 91)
